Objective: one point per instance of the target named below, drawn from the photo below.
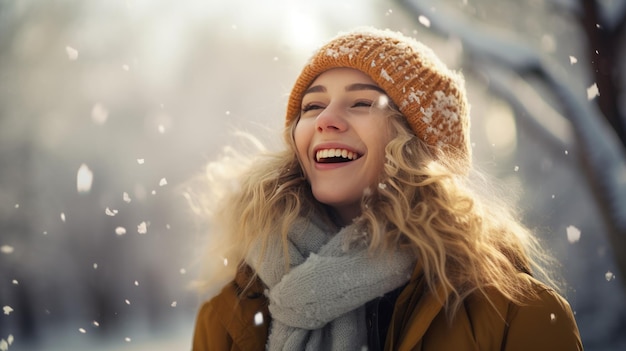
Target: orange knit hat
(429, 95)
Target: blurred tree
(596, 118)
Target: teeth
(328, 153)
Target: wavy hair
(465, 241)
(466, 236)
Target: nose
(331, 119)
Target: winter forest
(109, 108)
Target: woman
(364, 234)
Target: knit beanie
(430, 96)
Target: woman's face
(341, 137)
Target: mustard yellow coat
(237, 319)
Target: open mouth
(335, 156)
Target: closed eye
(363, 103)
(311, 107)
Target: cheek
(379, 143)
(302, 139)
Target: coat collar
(238, 306)
(415, 309)
(247, 283)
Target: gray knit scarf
(319, 304)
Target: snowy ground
(176, 338)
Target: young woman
(365, 233)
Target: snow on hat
(429, 95)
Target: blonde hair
(464, 241)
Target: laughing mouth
(335, 155)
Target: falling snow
(72, 53)
(573, 234)
(382, 102)
(99, 114)
(4, 344)
(424, 21)
(7, 310)
(84, 179)
(258, 318)
(142, 228)
(592, 91)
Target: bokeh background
(109, 107)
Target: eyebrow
(351, 87)
(364, 86)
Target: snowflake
(7, 310)
(573, 234)
(142, 228)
